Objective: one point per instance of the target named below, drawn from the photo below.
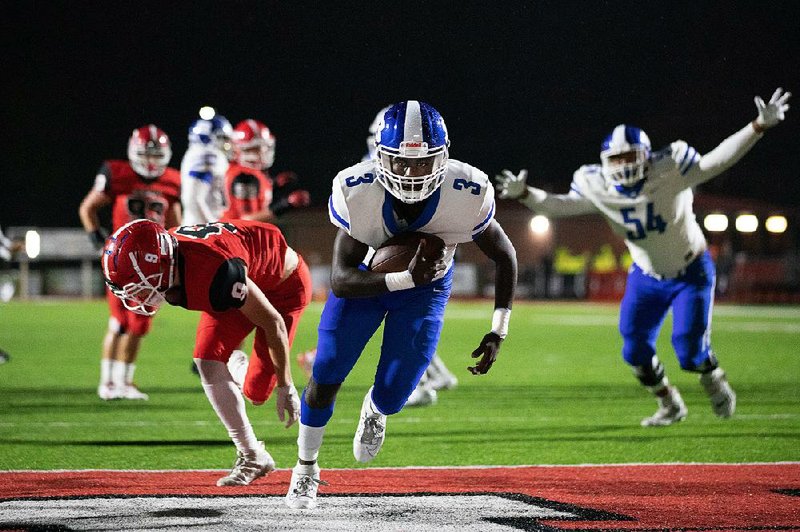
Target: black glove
(98, 238)
(489, 348)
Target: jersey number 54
(652, 222)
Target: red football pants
(218, 334)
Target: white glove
(512, 186)
(771, 114)
(288, 402)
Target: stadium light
(539, 224)
(746, 223)
(715, 222)
(776, 224)
(32, 244)
(207, 112)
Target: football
(395, 254)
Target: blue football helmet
(216, 132)
(411, 143)
(624, 154)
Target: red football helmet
(255, 144)
(149, 151)
(139, 265)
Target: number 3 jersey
(459, 211)
(135, 197)
(655, 216)
(214, 261)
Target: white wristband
(500, 320)
(399, 281)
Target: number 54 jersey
(459, 211)
(655, 216)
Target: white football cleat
(249, 467)
(133, 393)
(237, 366)
(439, 377)
(303, 487)
(108, 391)
(370, 432)
(671, 409)
(723, 398)
(423, 395)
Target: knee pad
(320, 395)
(650, 374)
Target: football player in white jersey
(203, 170)
(647, 199)
(411, 185)
(437, 376)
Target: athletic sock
(225, 397)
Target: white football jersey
(459, 211)
(203, 184)
(655, 217)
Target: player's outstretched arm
(496, 245)
(513, 186)
(260, 311)
(737, 145)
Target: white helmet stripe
(618, 137)
(412, 129)
(153, 133)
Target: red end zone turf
(636, 497)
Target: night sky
(534, 85)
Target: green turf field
(559, 394)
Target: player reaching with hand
(646, 198)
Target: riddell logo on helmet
(412, 144)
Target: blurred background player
(8, 248)
(437, 377)
(647, 199)
(203, 170)
(242, 276)
(248, 183)
(141, 187)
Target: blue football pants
(413, 321)
(646, 303)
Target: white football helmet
(624, 154)
(411, 144)
(139, 265)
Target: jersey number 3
(653, 222)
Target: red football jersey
(248, 191)
(134, 196)
(214, 260)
